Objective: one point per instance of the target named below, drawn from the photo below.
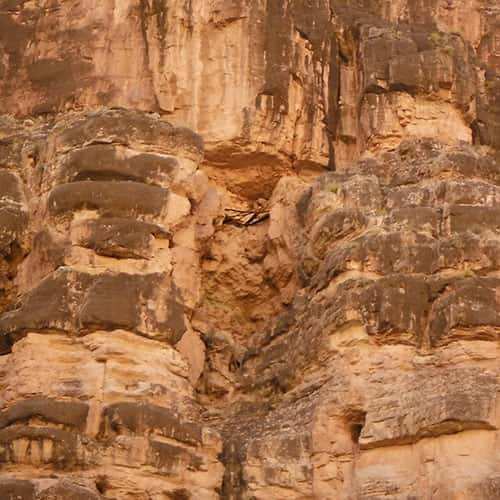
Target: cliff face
(249, 249)
(292, 79)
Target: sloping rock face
(249, 249)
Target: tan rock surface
(249, 250)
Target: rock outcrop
(385, 363)
(100, 358)
(249, 250)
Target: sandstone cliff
(249, 249)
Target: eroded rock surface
(301, 83)
(249, 250)
(385, 363)
(95, 381)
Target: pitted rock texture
(249, 250)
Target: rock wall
(303, 83)
(249, 249)
(382, 373)
(99, 356)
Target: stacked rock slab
(340, 343)
(382, 376)
(379, 379)
(93, 386)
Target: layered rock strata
(99, 358)
(295, 297)
(368, 368)
(381, 376)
